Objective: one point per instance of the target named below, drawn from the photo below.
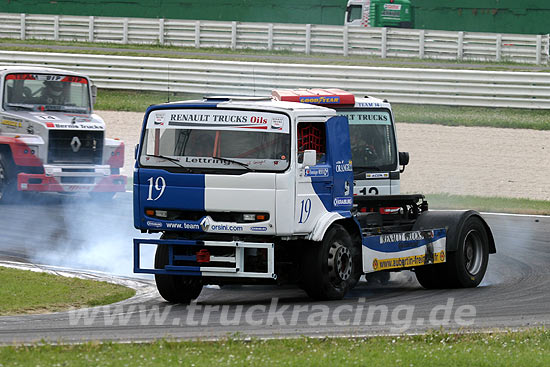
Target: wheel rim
(339, 263)
(473, 252)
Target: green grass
(473, 116)
(277, 56)
(488, 204)
(138, 101)
(23, 291)
(528, 348)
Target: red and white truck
(50, 139)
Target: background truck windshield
(372, 140)
(261, 146)
(41, 92)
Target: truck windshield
(372, 140)
(216, 139)
(46, 92)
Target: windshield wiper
(174, 160)
(23, 106)
(233, 161)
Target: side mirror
(310, 158)
(94, 94)
(403, 160)
(136, 150)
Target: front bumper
(72, 179)
(236, 269)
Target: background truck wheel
(329, 267)
(8, 180)
(175, 288)
(466, 266)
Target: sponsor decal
(407, 261)
(12, 124)
(392, 6)
(226, 227)
(405, 237)
(184, 225)
(150, 223)
(342, 166)
(277, 123)
(258, 229)
(74, 126)
(320, 99)
(158, 118)
(377, 175)
(343, 201)
(317, 172)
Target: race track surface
(73, 233)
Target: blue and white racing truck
(255, 191)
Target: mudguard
(453, 221)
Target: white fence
(405, 85)
(303, 38)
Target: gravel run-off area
(480, 161)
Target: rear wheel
(8, 180)
(329, 269)
(465, 267)
(175, 288)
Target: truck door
(328, 185)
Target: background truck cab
(379, 13)
(50, 139)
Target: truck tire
(466, 266)
(8, 180)
(328, 267)
(175, 288)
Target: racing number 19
(158, 186)
(305, 210)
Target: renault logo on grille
(76, 144)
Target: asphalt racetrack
(72, 233)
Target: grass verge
(488, 204)
(23, 291)
(276, 56)
(472, 116)
(138, 101)
(528, 348)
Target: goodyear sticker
(320, 100)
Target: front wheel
(8, 180)
(329, 269)
(465, 267)
(175, 288)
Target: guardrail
(302, 38)
(404, 85)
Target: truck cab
(379, 13)
(50, 138)
(376, 161)
(255, 191)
